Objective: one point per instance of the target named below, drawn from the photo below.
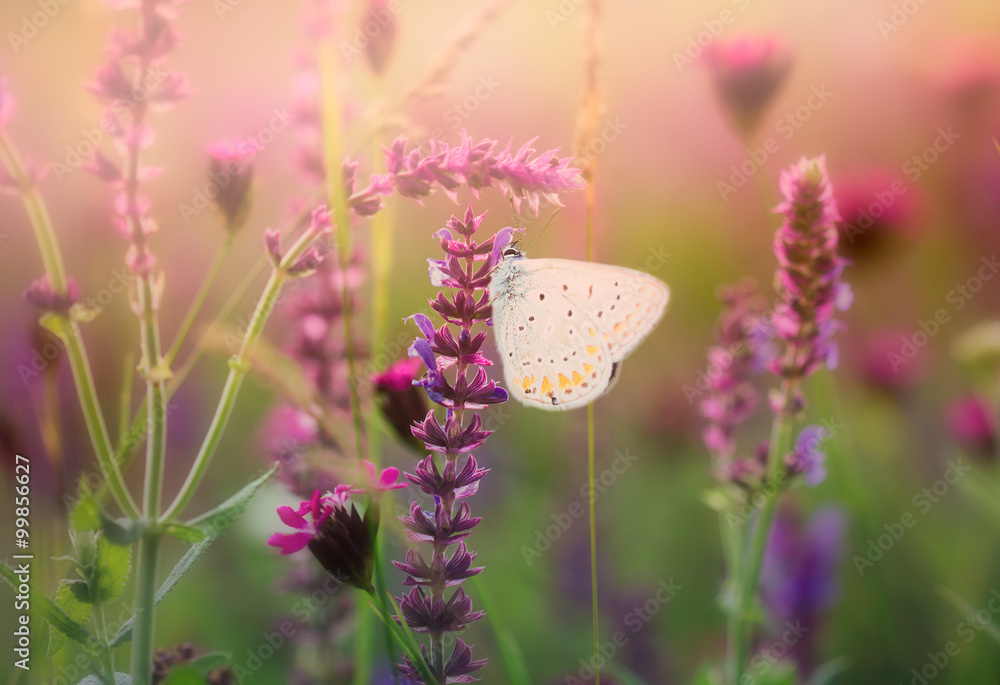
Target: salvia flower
(450, 353)
(808, 280)
(742, 349)
(748, 72)
(523, 175)
(231, 174)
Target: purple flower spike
(743, 349)
(450, 354)
(808, 279)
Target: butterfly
(562, 327)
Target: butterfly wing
(625, 304)
(554, 355)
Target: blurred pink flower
(378, 25)
(876, 208)
(748, 72)
(878, 368)
(41, 294)
(231, 173)
(6, 102)
(971, 423)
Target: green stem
(145, 606)
(592, 501)
(239, 366)
(108, 654)
(337, 198)
(45, 235)
(128, 445)
(199, 298)
(744, 614)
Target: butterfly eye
(511, 252)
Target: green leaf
(110, 574)
(124, 633)
(827, 672)
(120, 679)
(184, 675)
(623, 675)
(969, 611)
(707, 676)
(76, 610)
(86, 515)
(216, 521)
(510, 651)
(184, 532)
(55, 616)
(207, 663)
(122, 531)
(781, 673)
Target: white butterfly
(562, 326)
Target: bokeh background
(897, 76)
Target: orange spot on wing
(619, 327)
(564, 383)
(592, 350)
(577, 378)
(527, 382)
(546, 385)
(587, 368)
(591, 332)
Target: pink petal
(291, 518)
(289, 543)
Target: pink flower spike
(381, 482)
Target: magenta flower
(748, 72)
(400, 401)
(341, 540)
(319, 509)
(876, 208)
(808, 279)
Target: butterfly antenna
(513, 214)
(543, 230)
